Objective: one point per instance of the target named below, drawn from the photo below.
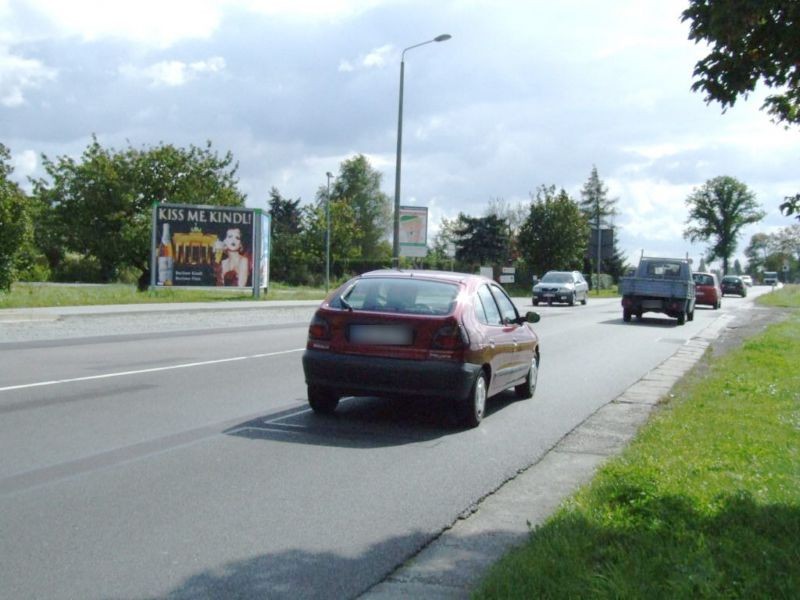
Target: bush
(78, 269)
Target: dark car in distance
(732, 284)
(440, 335)
(708, 290)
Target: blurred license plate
(389, 335)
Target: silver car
(561, 286)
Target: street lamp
(396, 241)
(329, 175)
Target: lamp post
(396, 239)
(329, 175)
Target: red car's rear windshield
(407, 296)
(704, 280)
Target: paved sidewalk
(68, 322)
(451, 565)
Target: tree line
(90, 220)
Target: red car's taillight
(450, 337)
(319, 329)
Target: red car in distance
(448, 336)
(707, 289)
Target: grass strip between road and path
(705, 503)
(31, 295)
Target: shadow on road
(361, 422)
(669, 535)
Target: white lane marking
(140, 371)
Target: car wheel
(528, 387)
(690, 316)
(682, 318)
(322, 400)
(474, 405)
(585, 297)
(535, 302)
(626, 316)
(571, 300)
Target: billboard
(413, 231)
(204, 246)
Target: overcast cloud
(525, 93)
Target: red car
(708, 289)
(443, 335)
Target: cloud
(375, 59)
(174, 73)
(150, 22)
(18, 74)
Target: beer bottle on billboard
(166, 258)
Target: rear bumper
(370, 376)
(674, 307)
(559, 296)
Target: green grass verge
(705, 503)
(27, 295)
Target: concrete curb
(452, 564)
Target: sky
(525, 93)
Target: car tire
(626, 316)
(682, 318)
(473, 406)
(690, 316)
(571, 300)
(585, 297)
(535, 302)
(528, 387)
(322, 400)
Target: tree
(555, 234)
(481, 240)
(344, 238)
(597, 207)
(359, 186)
(757, 251)
(100, 206)
(286, 245)
(514, 215)
(791, 206)
(443, 239)
(16, 227)
(750, 41)
(718, 211)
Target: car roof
(449, 276)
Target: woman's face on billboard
(233, 240)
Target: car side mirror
(532, 317)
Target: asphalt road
(175, 455)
